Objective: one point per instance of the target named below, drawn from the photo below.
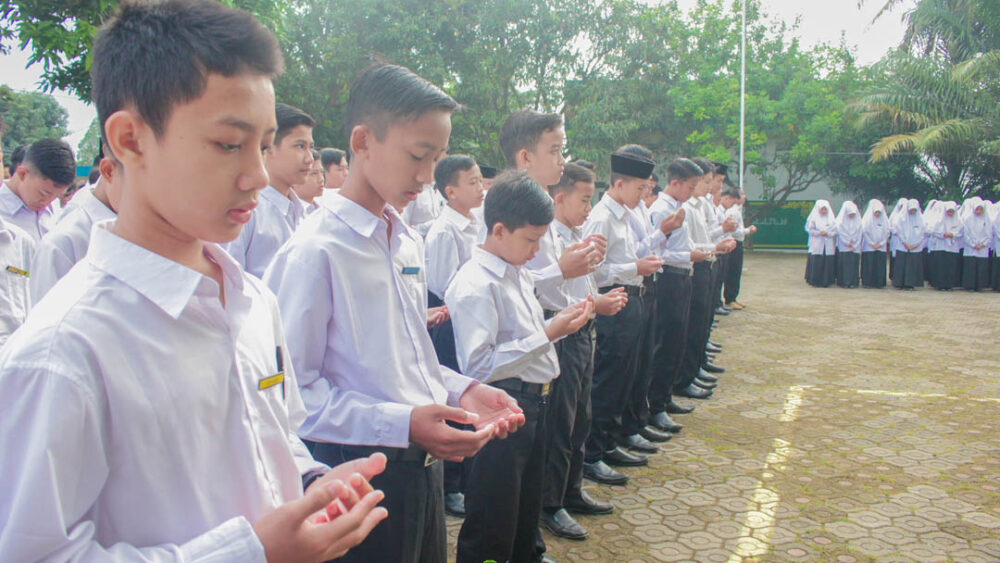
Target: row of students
(158, 346)
(946, 245)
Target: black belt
(633, 290)
(410, 454)
(677, 270)
(518, 386)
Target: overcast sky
(820, 21)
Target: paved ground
(852, 425)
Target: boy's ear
(498, 230)
(449, 192)
(21, 172)
(521, 159)
(360, 137)
(559, 198)
(122, 130)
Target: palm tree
(942, 99)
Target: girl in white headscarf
(908, 265)
(894, 246)
(849, 235)
(874, 244)
(821, 267)
(995, 246)
(944, 242)
(976, 240)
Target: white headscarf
(932, 212)
(978, 228)
(826, 222)
(897, 211)
(849, 228)
(940, 222)
(911, 227)
(876, 229)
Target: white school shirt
(354, 304)
(676, 250)
(13, 211)
(736, 212)
(449, 245)
(420, 213)
(16, 251)
(554, 292)
(609, 218)
(499, 325)
(133, 427)
(67, 242)
(477, 212)
(698, 227)
(272, 223)
(647, 238)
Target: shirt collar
(455, 218)
(92, 206)
(493, 263)
(360, 220)
(169, 285)
(616, 209)
(275, 198)
(568, 232)
(10, 201)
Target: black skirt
(975, 273)
(908, 269)
(873, 269)
(944, 269)
(821, 270)
(995, 271)
(848, 268)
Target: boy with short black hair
(503, 340)
(67, 242)
(334, 167)
(279, 209)
(165, 358)
(310, 191)
(366, 366)
(48, 170)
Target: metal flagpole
(743, 91)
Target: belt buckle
(545, 388)
(429, 460)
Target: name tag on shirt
(19, 271)
(411, 270)
(269, 382)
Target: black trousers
(673, 310)
(699, 325)
(504, 498)
(848, 268)
(718, 278)
(414, 531)
(975, 273)
(568, 418)
(995, 271)
(615, 361)
(734, 273)
(443, 339)
(873, 268)
(636, 413)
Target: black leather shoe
(712, 368)
(674, 408)
(692, 392)
(662, 421)
(721, 311)
(654, 435)
(585, 504)
(620, 458)
(704, 385)
(454, 504)
(713, 349)
(637, 443)
(599, 472)
(563, 525)
(706, 377)
(546, 559)
(716, 344)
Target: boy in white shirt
(47, 171)
(350, 284)
(503, 340)
(16, 252)
(150, 414)
(279, 209)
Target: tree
(59, 35)
(941, 98)
(30, 116)
(90, 145)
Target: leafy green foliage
(30, 116)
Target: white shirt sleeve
(442, 260)
(48, 266)
(54, 466)
(306, 317)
